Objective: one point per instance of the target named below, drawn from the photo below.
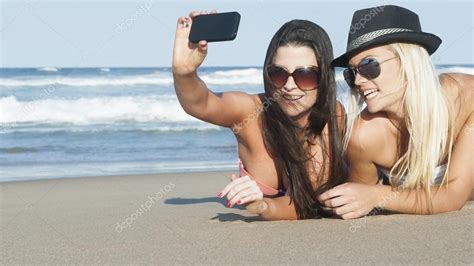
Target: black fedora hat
(382, 25)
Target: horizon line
(223, 66)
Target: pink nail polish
(228, 205)
(238, 202)
(219, 195)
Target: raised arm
(222, 109)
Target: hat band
(372, 35)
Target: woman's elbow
(273, 212)
(453, 205)
(459, 204)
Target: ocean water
(66, 122)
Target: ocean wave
(87, 82)
(85, 111)
(17, 150)
(246, 76)
(109, 128)
(234, 77)
(231, 77)
(48, 69)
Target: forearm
(444, 199)
(192, 93)
(279, 209)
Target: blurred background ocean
(71, 122)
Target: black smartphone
(215, 27)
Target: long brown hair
(282, 136)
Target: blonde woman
(410, 150)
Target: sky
(37, 33)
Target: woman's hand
(351, 200)
(187, 56)
(240, 191)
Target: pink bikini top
(266, 189)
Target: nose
(359, 79)
(290, 84)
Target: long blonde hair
(427, 120)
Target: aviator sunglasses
(306, 77)
(368, 68)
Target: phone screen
(215, 27)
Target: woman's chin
(295, 111)
(372, 108)
(297, 115)
(292, 112)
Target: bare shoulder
(236, 96)
(258, 102)
(244, 101)
(253, 109)
(368, 133)
(459, 89)
(463, 80)
(258, 98)
(364, 151)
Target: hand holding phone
(215, 27)
(190, 45)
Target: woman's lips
(369, 94)
(292, 98)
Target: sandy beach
(176, 219)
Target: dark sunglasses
(368, 68)
(306, 77)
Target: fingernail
(228, 205)
(219, 195)
(186, 19)
(238, 202)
